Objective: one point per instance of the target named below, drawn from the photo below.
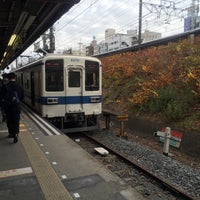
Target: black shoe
(10, 136)
(15, 140)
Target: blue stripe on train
(70, 99)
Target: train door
(32, 89)
(74, 89)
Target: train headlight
(95, 99)
(52, 100)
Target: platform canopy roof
(23, 21)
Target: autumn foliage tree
(163, 80)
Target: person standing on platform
(12, 94)
(3, 82)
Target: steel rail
(165, 183)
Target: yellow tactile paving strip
(50, 183)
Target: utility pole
(80, 47)
(140, 23)
(52, 40)
(46, 37)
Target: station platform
(51, 166)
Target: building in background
(115, 41)
(192, 21)
(93, 49)
(148, 36)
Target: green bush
(175, 110)
(172, 102)
(165, 95)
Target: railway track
(131, 167)
(168, 190)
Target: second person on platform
(12, 94)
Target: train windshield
(74, 78)
(54, 75)
(91, 75)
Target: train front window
(54, 75)
(74, 78)
(91, 76)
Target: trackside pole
(166, 142)
(166, 135)
(122, 119)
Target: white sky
(92, 17)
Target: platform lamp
(12, 39)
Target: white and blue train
(65, 89)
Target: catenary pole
(140, 23)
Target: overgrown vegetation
(161, 81)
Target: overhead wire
(110, 11)
(76, 15)
(83, 11)
(84, 31)
(73, 9)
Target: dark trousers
(12, 119)
(3, 113)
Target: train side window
(27, 84)
(74, 78)
(54, 75)
(91, 76)
(22, 79)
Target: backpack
(11, 97)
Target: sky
(90, 18)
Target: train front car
(73, 93)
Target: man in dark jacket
(12, 109)
(3, 82)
